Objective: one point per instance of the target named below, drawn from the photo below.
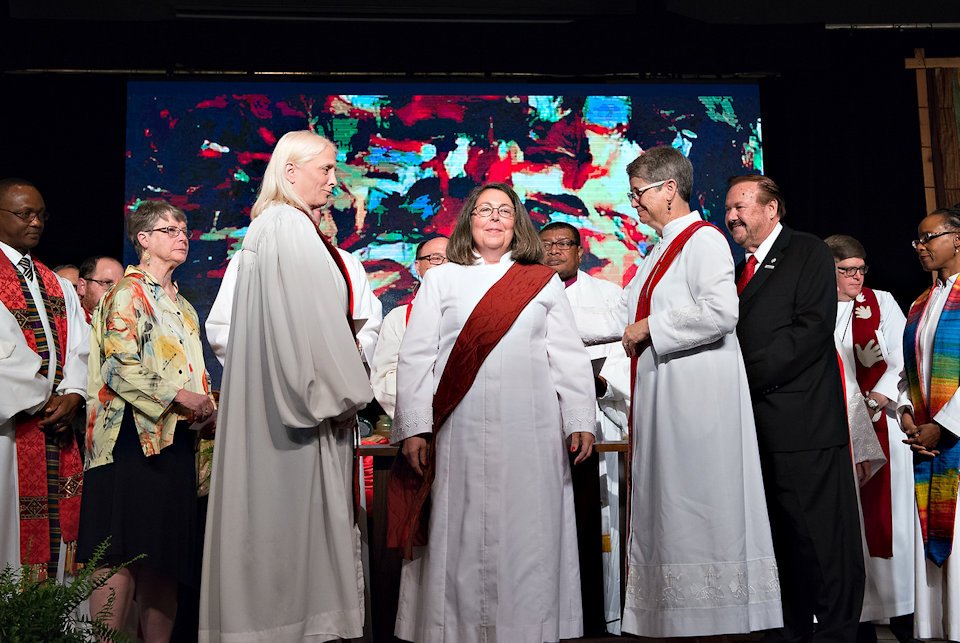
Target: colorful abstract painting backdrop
(409, 154)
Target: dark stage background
(840, 130)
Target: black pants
(811, 498)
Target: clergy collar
(677, 225)
(478, 260)
(572, 280)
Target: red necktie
(747, 273)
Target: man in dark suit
(788, 304)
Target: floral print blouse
(144, 348)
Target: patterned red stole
(875, 494)
(50, 476)
(408, 493)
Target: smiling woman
(502, 523)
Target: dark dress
(145, 505)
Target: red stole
(875, 494)
(497, 310)
(643, 311)
(50, 480)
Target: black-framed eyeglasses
(851, 271)
(485, 211)
(563, 244)
(27, 215)
(172, 231)
(435, 259)
(106, 283)
(930, 236)
(636, 193)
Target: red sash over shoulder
(407, 492)
(643, 311)
(875, 495)
(50, 477)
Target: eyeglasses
(26, 215)
(853, 270)
(435, 259)
(486, 211)
(563, 244)
(928, 237)
(172, 231)
(106, 283)
(635, 194)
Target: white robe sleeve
(383, 370)
(298, 320)
(569, 362)
(365, 305)
(418, 357)
(78, 344)
(218, 321)
(892, 323)
(24, 389)
(707, 265)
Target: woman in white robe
(889, 581)
(281, 558)
(501, 563)
(699, 552)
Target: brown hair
(145, 217)
(767, 190)
(845, 247)
(525, 247)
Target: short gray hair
(145, 217)
(661, 164)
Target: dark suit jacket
(787, 316)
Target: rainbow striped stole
(935, 479)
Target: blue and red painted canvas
(409, 154)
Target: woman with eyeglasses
(929, 408)
(700, 558)
(146, 385)
(494, 387)
(868, 334)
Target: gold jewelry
(146, 257)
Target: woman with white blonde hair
(282, 553)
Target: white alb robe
(937, 589)
(699, 552)
(502, 562)
(383, 368)
(365, 306)
(281, 558)
(596, 304)
(23, 389)
(889, 581)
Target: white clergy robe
(937, 589)
(596, 304)
(889, 581)
(383, 369)
(502, 562)
(281, 558)
(25, 390)
(699, 552)
(365, 306)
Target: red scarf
(643, 311)
(50, 480)
(875, 494)
(407, 492)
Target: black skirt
(144, 505)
